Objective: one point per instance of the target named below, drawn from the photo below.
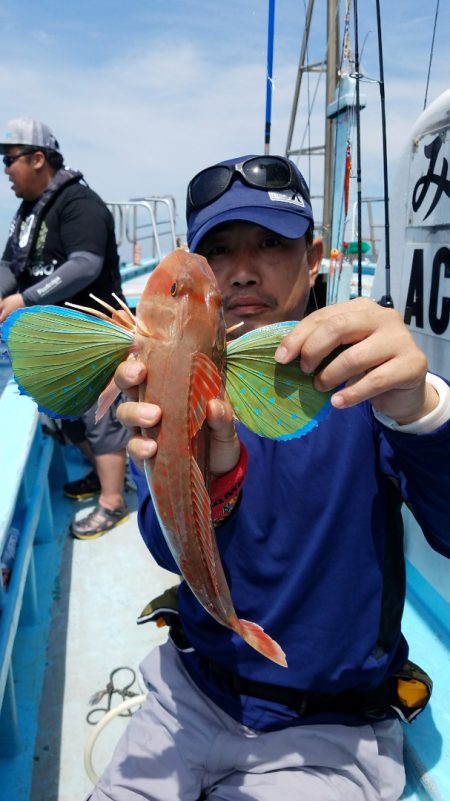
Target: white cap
(26, 131)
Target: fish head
(182, 300)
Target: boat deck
(67, 617)
(102, 587)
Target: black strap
(375, 704)
(372, 704)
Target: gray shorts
(181, 747)
(106, 436)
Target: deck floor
(104, 584)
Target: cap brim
(283, 222)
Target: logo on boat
(432, 178)
(426, 255)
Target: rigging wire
(431, 53)
(308, 95)
(310, 104)
(386, 300)
(320, 69)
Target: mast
(330, 67)
(301, 69)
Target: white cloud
(141, 118)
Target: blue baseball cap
(285, 211)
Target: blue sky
(142, 94)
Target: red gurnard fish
(182, 344)
(65, 360)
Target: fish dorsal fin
(63, 359)
(205, 385)
(202, 515)
(274, 400)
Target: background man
(62, 247)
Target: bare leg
(111, 472)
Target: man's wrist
(225, 490)
(429, 422)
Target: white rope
(137, 700)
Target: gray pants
(180, 746)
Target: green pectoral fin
(62, 358)
(274, 400)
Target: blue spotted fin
(62, 358)
(274, 400)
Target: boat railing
(373, 226)
(31, 466)
(149, 220)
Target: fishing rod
(358, 148)
(386, 300)
(431, 54)
(269, 83)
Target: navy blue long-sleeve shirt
(314, 554)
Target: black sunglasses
(260, 172)
(8, 160)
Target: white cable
(136, 700)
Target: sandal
(98, 522)
(83, 488)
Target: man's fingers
(141, 449)
(224, 446)
(140, 419)
(135, 415)
(219, 416)
(129, 375)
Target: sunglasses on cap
(9, 160)
(259, 172)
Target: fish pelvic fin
(108, 396)
(62, 358)
(256, 637)
(206, 384)
(274, 400)
(106, 399)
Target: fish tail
(256, 637)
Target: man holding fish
(319, 718)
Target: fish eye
(173, 289)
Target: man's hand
(382, 362)
(10, 304)
(142, 419)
